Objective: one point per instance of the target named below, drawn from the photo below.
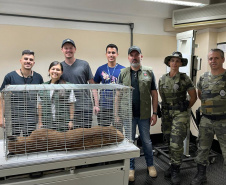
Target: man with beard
(107, 74)
(78, 71)
(142, 79)
(22, 120)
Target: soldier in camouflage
(212, 93)
(173, 89)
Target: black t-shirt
(13, 78)
(136, 92)
(23, 103)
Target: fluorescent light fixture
(182, 2)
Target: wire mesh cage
(60, 117)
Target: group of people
(176, 89)
(173, 89)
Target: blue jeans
(144, 129)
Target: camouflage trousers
(174, 128)
(207, 129)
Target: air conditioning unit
(207, 15)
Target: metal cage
(59, 117)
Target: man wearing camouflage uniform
(212, 93)
(173, 88)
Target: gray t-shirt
(79, 73)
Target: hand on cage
(2, 123)
(117, 120)
(70, 125)
(40, 125)
(96, 110)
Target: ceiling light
(181, 2)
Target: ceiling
(119, 7)
(122, 7)
(114, 8)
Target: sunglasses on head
(31, 59)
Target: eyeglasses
(31, 59)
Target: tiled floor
(215, 173)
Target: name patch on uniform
(176, 86)
(222, 92)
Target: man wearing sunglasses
(22, 120)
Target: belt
(215, 117)
(174, 108)
(170, 107)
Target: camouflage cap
(176, 54)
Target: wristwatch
(154, 113)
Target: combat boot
(175, 174)
(200, 177)
(167, 173)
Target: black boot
(175, 174)
(167, 173)
(200, 177)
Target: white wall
(148, 34)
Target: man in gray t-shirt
(78, 71)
